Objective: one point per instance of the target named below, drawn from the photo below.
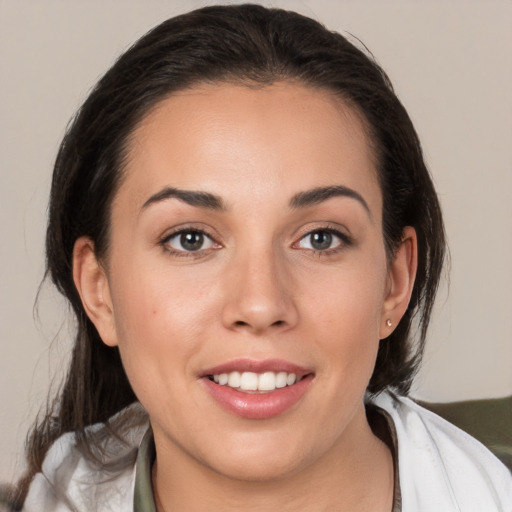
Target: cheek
(349, 299)
(160, 322)
(344, 315)
(157, 300)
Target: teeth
(267, 381)
(234, 380)
(250, 381)
(291, 379)
(281, 379)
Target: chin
(258, 469)
(261, 461)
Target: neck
(350, 476)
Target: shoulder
(72, 480)
(440, 466)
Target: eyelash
(165, 242)
(345, 241)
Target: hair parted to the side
(251, 45)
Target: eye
(323, 240)
(190, 240)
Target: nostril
(241, 323)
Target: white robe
(441, 469)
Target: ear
(93, 287)
(401, 275)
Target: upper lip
(257, 366)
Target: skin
(257, 290)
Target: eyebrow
(191, 197)
(321, 194)
(213, 202)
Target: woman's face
(247, 247)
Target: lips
(257, 389)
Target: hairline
(346, 104)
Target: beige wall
(451, 65)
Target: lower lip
(258, 406)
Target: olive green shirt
(143, 499)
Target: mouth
(255, 382)
(257, 389)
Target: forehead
(252, 142)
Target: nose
(259, 295)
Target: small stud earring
(389, 323)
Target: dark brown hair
(245, 44)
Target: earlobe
(93, 287)
(401, 276)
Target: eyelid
(331, 227)
(346, 239)
(205, 239)
(195, 227)
(164, 240)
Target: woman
(243, 223)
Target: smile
(257, 389)
(251, 381)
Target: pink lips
(261, 405)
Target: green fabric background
(489, 420)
